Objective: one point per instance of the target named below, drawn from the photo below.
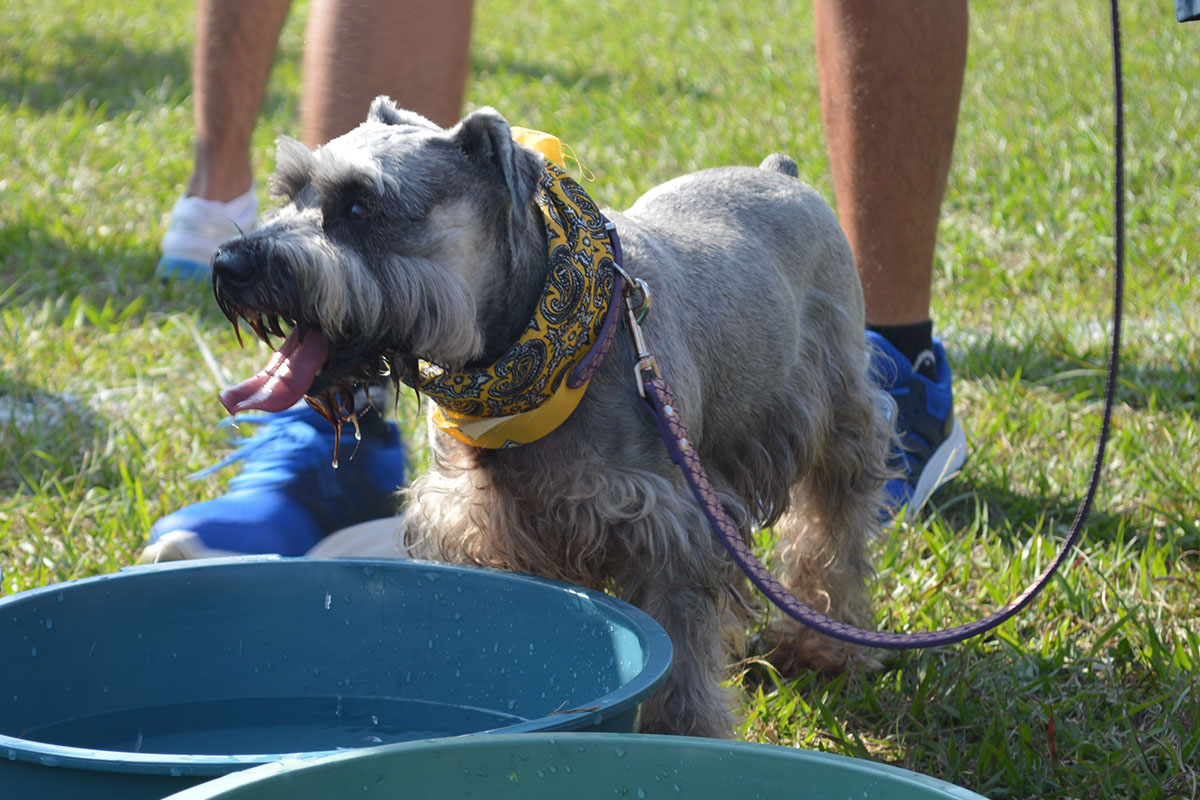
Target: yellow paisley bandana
(535, 386)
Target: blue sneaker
(934, 446)
(288, 495)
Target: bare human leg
(235, 45)
(417, 52)
(891, 74)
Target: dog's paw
(792, 649)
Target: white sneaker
(197, 228)
(376, 538)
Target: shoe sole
(943, 465)
(181, 546)
(376, 538)
(181, 269)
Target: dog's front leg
(692, 701)
(675, 571)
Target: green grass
(108, 380)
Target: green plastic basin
(578, 766)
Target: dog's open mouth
(288, 376)
(311, 367)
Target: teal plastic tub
(144, 682)
(579, 766)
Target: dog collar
(532, 389)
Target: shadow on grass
(966, 504)
(37, 266)
(999, 719)
(1079, 373)
(43, 436)
(604, 83)
(40, 264)
(106, 73)
(102, 69)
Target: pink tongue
(285, 378)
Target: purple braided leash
(662, 408)
(679, 445)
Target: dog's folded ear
(384, 110)
(486, 138)
(294, 166)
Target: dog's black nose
(232, 264)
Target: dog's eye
(358, 211)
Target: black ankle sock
(911, 340)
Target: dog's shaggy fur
(401, 240)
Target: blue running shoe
(934, 446)
(288, 495)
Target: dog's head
(397, 241)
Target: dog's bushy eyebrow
(335, 170)
(294, 168)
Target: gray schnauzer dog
(414, 250)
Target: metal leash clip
(637, 304)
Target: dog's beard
(333, 390)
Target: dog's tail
(778, 162)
